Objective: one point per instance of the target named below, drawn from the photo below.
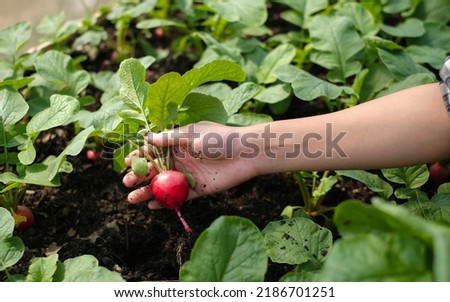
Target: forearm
(405, 128)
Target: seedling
(313, 189)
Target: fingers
(140, 195)
(174, 137)
(131, 179)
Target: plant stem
(303, 190)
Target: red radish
(170, 189)
(159, 32)
(439, 173)
(93, 155)
(23, 217)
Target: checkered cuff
(445, 83)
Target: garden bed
(88, 212)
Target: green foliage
(47, 269)
(231, 249)
(11, 247)
(235, 69)
(297, 240)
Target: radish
(439, 173)
(23, 217)
(171, 188)
(93, 155)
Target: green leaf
(14, 37)
(27, 155)
(12, 108)
(361, 17)
(434, 10)
(58, 70)
(134, 86)
(163, 99)
(85, 269)
(378, 78)
(168, 93)
(62, 109)
(155, 23)
(427, 54)
(411, 81)
(6, 69)
(394, 7)
(90, 37)
(230, 250)
(325, 185)
(73, 148)
(377, 42)
(240, 95)
(305, 9)
(308, 87)
(297, 240)
(442, 200)
(282, 55)
(6, 224)
(274, 94)
(444, 188)
(11, 247)
(437, 35)
(301, 277)
(42, 269)
(353, 217)
(420, 205)
(374, 258)
(219, 70)
(202, 108)
(251, 13)
(56, 28)
(336, 43)
(35, 174)
(106, 118)
(372, 181)
(248, 119)
(413, 177)
(410, 28)
(400, 64)
(16, 84)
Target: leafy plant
(80, 269)
(313, 189)
(167, 103)
(31, 106)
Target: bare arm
(405, 128)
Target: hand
(206, 150)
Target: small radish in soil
(23, 217)
(171, 188)
(439, 173)
(93, 155)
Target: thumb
(173, 137)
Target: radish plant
(163, 105)
(29, 106)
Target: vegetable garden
(72, 108)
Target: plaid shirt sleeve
(445, 83)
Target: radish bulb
(171, 189)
